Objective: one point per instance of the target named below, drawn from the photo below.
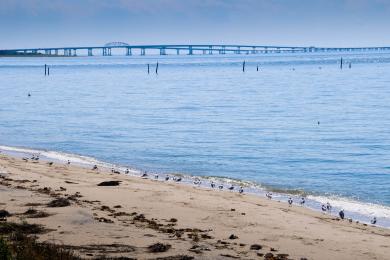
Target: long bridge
(127, 49)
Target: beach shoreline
(355, 210)
(193, 221)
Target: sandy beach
(141, 217)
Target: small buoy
(29, 95)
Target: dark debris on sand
(232, 236)
(7, 228)
(60, 202)
(158, 248)
(270, 256)
(109, 183)
(33, 213)
(4, 214)
(256, 247)
(176, 257)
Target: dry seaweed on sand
(60, 202)
(20, 246)
(8, 228)
(158, 248)
(33, 213)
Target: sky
(327, 23)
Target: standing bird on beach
(231, 187)
(373, 221)
(68, 162)
(212, 185)
(303, 201)
(268, 195)
(323, 208)
(328, 207)
(167, 178)
(220, 186)
(241, 190)
(290, 201)
(197, 181)
(156, 176)
(144, 175)
(341, 214)
(127, 171)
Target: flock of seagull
(324, 207)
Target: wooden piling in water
(48, 70)
(148, 68)
(243, 66)
(45, 69)
(257, 67)
(341, 63)
(350, 65)
(157, 68)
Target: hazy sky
(56, 23)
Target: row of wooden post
(47, 68)
(156, 68)
(341, 64)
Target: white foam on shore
(64, 157)
(59, 156)
(362, 208)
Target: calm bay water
(202, 115)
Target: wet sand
(125, 220)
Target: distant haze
(56, 23)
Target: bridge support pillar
(56, 52)
(190, 51)
(142, 51)
(74, 52)
(178, 51)
(90, 52)
(106, 51)
(128, 52)
(210, 50)
(162, 51)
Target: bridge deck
(189, 49)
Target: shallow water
(202, 115)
